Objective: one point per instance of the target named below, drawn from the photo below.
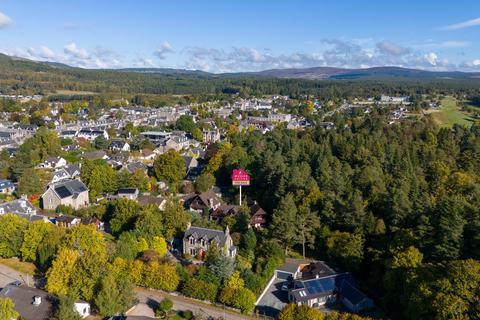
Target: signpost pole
(240, 195)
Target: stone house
(197, 241)
(69, 193)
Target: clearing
(449, 113)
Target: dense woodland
(397, 205)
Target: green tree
(124, 213)
(185, 123)
(33, 237)
(100, 143)
(115, 295)
(170, 167)
(295, 312)
(7, 309)
(223, 267)
(175, 218)
(346, 249)
(29, 183)
(200, 289)
(12, 228)
(204, 182)
(283, 220)
(66, 310)
(160, 276)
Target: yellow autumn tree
(60, 273)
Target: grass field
(14, 263)
(449, 114)
(71, 92)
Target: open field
(24, 267)
(72, 92)
(449, 113)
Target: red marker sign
(240, 178)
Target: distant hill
(23, 76)
(323, 73)
(165, 71)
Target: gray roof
(72, 168)
(208, 234)
(68, 188)
(6, 184)
(22, 297)
(18, 207)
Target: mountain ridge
(312, 73)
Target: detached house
(53, 162)
(207, 200)
(6, 187)
(119, 145)
(197, 241)
(71, 193)
(91, 134)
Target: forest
(397, 205)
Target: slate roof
(208, 234)
(18, 207)
(6, 184)
(99, 154)
(351, 293)
(134, 166)
(146, 200)
(71, 169)
(22, 297)
(69, 188)
(127, 191)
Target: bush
(200, 289)
(187, 314)
(166, 305)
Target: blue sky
(225, 36)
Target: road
(182, 303)
(9, 275)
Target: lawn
(14, 263)
(449, 114)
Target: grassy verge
(14, 263)
(449, 114)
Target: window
(203, 243)
(192, 241)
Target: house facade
(71, 193)
(197, 241)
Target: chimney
(227, 230)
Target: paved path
(181, 303)
(9, 275)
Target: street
(182, 303)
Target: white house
(83, 308)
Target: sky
(248, 35)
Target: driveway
(9, 275)
(151, 298)
(274, 299)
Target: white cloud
(164, 49)
(390, 48)
(431, 58)
(73, 50)
(4, 20)
(463, 25)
